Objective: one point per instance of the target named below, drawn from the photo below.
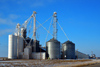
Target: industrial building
(21, 46)
(80, 55)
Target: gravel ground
(46, 63)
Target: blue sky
(80, 20)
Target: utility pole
(55, 25)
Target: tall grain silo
(23, 35)
(12, 47)
(53, 49)
(68, 49)
(20, 44)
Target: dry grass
(72, 60)
(87, 64)
(79, 65)
(40, 63)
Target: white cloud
(13, 16)
(35, 3)
(9, 20)
(39, 3)
(6, 21)
(5, 31)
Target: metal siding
(10, 47)
(53, 50)
(81, 55)
(37, 55)
(15, 47)
(21, 55)
(27, 52)
(20, 44)
(69, 50)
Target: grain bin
(68, 49)
(53, 49)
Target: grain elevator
(21, 46)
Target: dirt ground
(48, 63)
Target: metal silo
(15, 47)
(53, 49)
(20, 44)
(12, 47)
(68, 49)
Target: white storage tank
(12, 47)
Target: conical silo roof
(68, 42)
(53, 40)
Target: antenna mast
(55, 25)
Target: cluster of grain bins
(53, 50)
(23, 47)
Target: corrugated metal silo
(12, 47)
(68, 50)
(53, 49)
(20, 49)
(15, 47)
